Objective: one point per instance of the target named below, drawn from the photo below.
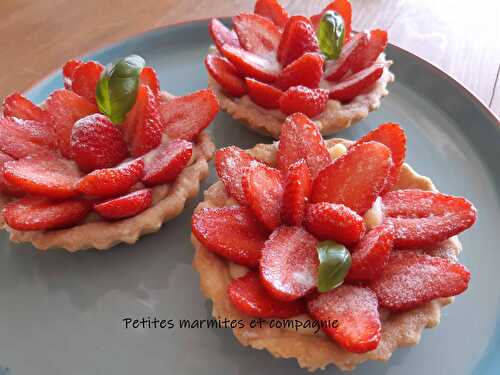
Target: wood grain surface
(36, 37)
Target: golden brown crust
(336, 117)
(315, 351)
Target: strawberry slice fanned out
(342, 7)
(17, 105)
(149, 78)
(289, 263)
(231, 232)
(83, 78)
(184, 117)
(306, 70)
(249, 297)
(257, 34)
(226, 75)
(297, 190)
(125, 206)
(410, 280)
(222, 35)
(301, 99)
(273, 10)
(355, 309)
(356, 178)
(5, 186)
(423, 218)
(262, 94)
(298, 38)
(35, 213)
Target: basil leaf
(116, 90)
(331, 34)
(334, 263)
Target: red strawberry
(257, 34)
(356, 84)
(34, 213)
(21, 138)
(252, 65)
(355, 309)
(149, 78)
(289, 264)
(186, 116)
(371, 254)
(125, 206)
(310, 102)
(230, 163)
(111, 182)
(226, 75)
(96, 143)
(143, 126)
(249, 297)
(356, 178)
(307, 71)
(262, 94)
(410, 280)
(231, 232)
(66, 108)
(394, 137)
(298, 38)
(222, 35)
(16, 105)
(301, 139)
(273, 10)
(164, 163)
(46, 175)
(69, 70)
(297, 189)
(5, 186)
(422, 218)
(359, 53)
(263, 192)
(342, 7)
(330, 221)
(84, 79)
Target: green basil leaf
(331, 34)
(116, 90)
(334, 263)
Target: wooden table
(38, 36)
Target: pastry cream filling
(375, 215)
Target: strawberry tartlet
(273, 65)
(105, 160)
(338, 235)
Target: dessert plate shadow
(64, 313)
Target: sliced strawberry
(111, 182)
(222, 35)
(356, 84)
(263, 192)
(143, 126)
(97, 143)
(149, 78)
(262, 94)
(226, 75)
(342, 7)
(310, 102)
(21, 138)
(186, 116)
(356, 178)
(252, 65)
(297, 189)
(289, 264)
(5, 186)
(249, 297)
(230, 163)
(34, 213)
(257, 34)
(69, 70)
(301, 139)
(355, 309)
(125, 206)
(84, 79)
(17, 105)
(330, 221)
(394, 137)
(422, 218)
(46, 175)
(273, 10)
(298, 38)
(231, 232)
(306, 70)
(66, 108)
(410, 280)
(371, 254)
(164, 163)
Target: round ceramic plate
(64, 313)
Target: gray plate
(62, 313)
